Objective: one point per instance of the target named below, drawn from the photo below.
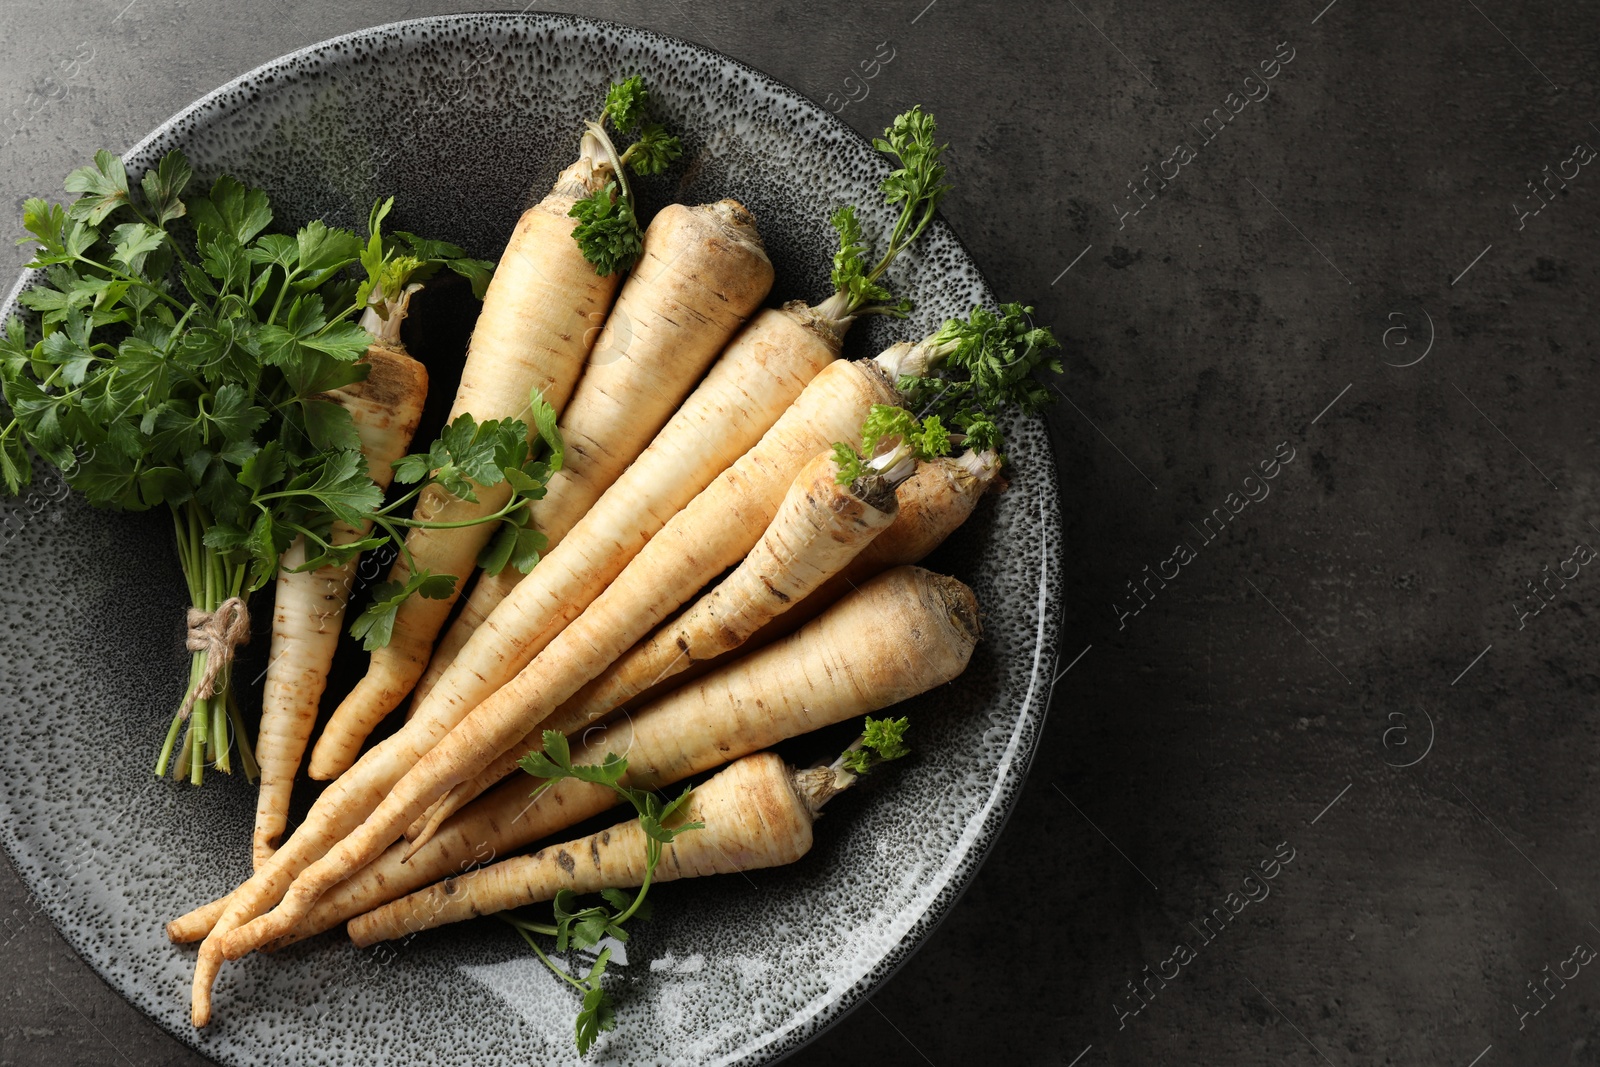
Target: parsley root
(702, 273)
(899, 635)
(308, 612)
(757, 813)
(713, 532)
(541, 330)
(744, 393)
(183, 355)
(932, 504)
(534, 333)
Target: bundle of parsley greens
(179, 359)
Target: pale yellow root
(820, 527)
(702, 273)
(308, 610)
(901, 634)
(755, 813)
(716, 530)
(534, 332)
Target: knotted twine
(217, 634)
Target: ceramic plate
(460, 118)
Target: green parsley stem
(548, 962)
(176, 247)
(214, 723)
(252, 770)
(172, 735)
(288, 276)
(877, 309)
(177, 330)
(131, 279)
(337, 319)
(899, 240)
(418, 524)
(525, 924)
(308, 534)
(652, 856)
(403, 499)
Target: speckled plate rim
(977, 838)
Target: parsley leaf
(477, 271)
(517, 544)
(599, 1013)
(375, 625)
(467, 453)
(607, 231)
(233, 415)
(919, 180)
(849, 462)
(849, 268)
(165, 184)
(918, 186)
(134, 241)
(626, 102)
(654, 151)
(231, 209)
(104, 186)
(186, 364)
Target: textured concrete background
(1351, 271)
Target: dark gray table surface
(1351, 674)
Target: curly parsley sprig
(881, 740)
(586, 927)
(892, 440)
(608, 228)
(917, 185)
(984, 367)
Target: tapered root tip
(368, 704)
(205, 973)
(358, 932)
(425, 835)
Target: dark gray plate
(459, 117)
